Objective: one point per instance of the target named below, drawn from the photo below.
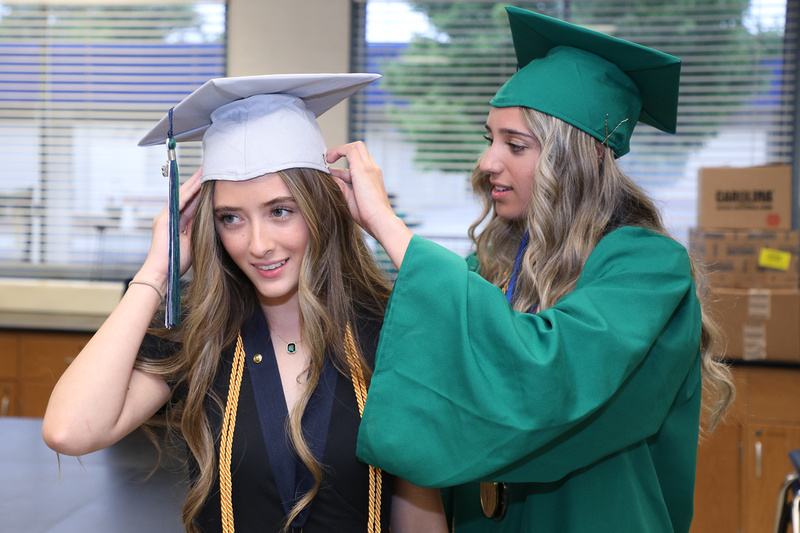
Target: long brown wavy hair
(339, 282)
(579, 195)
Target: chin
(508, 214)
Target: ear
(601, 153)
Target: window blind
(79, 86)
(443, 61)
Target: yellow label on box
(775, 259)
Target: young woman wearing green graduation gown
(554, 379)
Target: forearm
(416, 509)
(394, 236)
(100, 398)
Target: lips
(272, 266)
(499, 187)
(499, 191)
(272, 270)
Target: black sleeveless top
(259, 495)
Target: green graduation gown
(588, 409)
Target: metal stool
(788, 511)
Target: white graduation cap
(255, 125)
(250, 126)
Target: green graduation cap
(598, 83)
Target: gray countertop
(51, 321)
(107, 491)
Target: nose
(490, 163)
(261, 240)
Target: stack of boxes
(744, 237)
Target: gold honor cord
(360, 386)
(229, 422)
(226, 440)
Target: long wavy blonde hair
(579, 194)
(339, 282)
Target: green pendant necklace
(291, 346)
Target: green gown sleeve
(465, 388)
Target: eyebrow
(509, 131)
(270, 203)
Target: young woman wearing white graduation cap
(554, 378)
(267, 373)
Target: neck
(284, 318)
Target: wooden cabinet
(765, 462)
(771, 431)
(30, 364)
(9, 362)
(717, 495)
(741, 466)
(8, 398)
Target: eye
(280, 212)
(227, 218)
(488, 139)
(516, 148)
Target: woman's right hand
(155, 267)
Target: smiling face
(510, 161)
(261, 228)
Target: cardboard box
(748, 258)
(745, 198)
(759, 324)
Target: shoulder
(629, 234)
(640, 245)
(159, 345)
(368, 328)
(637, 251)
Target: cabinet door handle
(4, 406)
(758, 459)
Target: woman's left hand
(369, 204)
(363, 187)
